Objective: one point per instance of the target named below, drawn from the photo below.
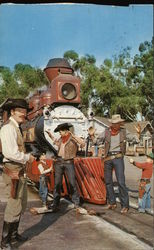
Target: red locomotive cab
(34, 102)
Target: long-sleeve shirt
(10, 147)
(147, 169)
(61, 144)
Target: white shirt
(10, 148)
(42, 170)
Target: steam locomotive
(58, 103)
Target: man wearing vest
(14, 177)
(67, 150)
(114, 140)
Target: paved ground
(70, 231)
(67, 230)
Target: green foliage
(123, 85)
(19, 82)
(71, 55)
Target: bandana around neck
(65, 138)
(114, 131)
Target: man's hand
(131, 160)
(73, 136)
(78, 140)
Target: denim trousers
(144, 204)
(43, 189)
(118, 165)
(69, 169)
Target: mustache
(22, 116)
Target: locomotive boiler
(58, 103)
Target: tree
(8, 87)
(125, 85)
(122, 85)
(143, 62)
(29, 77)
(19, 82)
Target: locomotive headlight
(69, 91)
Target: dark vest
(21, 147)
(122, 142)
(20, 140)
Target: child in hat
(43, 169)
(144, 200)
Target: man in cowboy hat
(14, 162)
(144, 200)
(67, 149)
(114, 139)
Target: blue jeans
(118, 165)
(144, 204)
(43, 189)
(60, 168)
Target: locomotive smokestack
(56, 66)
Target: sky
(34, 33)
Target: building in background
(140, 135)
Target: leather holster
(14, 188)
(14, 175)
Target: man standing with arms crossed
(14, 162)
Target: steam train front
(59, 103)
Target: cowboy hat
(150, 155)
(116, 119)
(11, 103)
(63, 126)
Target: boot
(15, 237)
(53, 207)
(6, 233)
